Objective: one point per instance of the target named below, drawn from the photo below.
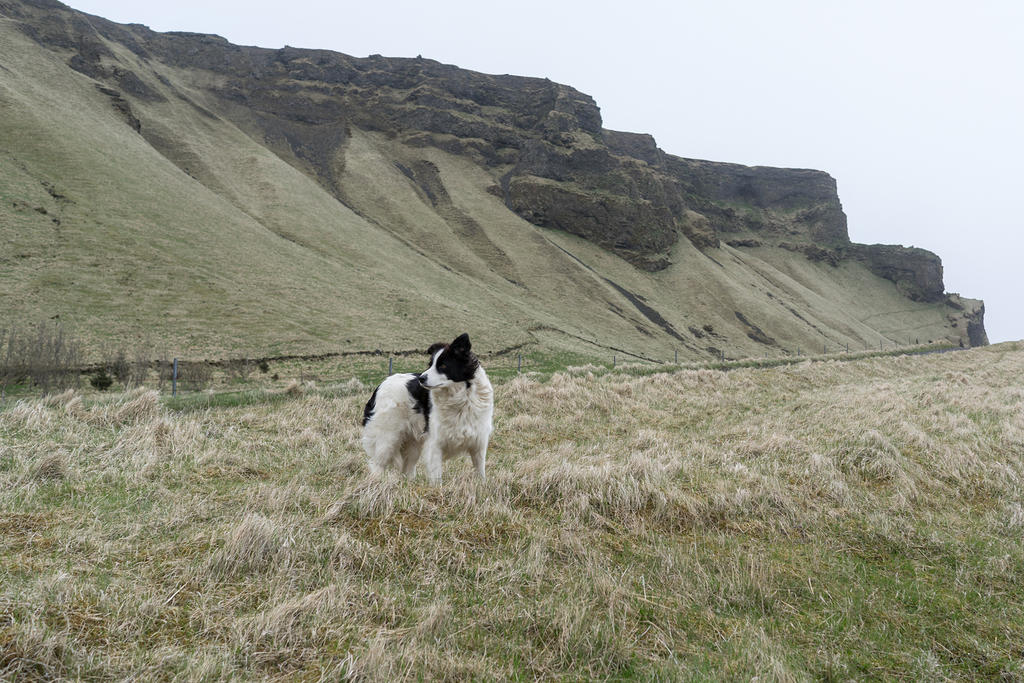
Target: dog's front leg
(478, 454)
(431, 455)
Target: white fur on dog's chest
(459, 426)
(464, 411)
(461, 418)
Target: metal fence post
(390, 361)
(519, 363)
(174, 379)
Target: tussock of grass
(374, 497)
(294, 388)
(51, 467)
(133, 407)
(591, 491)
(254, 545)
(818, 520)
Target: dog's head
(450, 363)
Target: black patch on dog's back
(370, 405)
(422, 398)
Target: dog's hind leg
(370, 446)
(410, 456)
(384, 451)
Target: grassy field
(822, 520)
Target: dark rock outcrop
(640, 230)
(976, 334)
(968, 316)
(917, 272)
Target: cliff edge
(551, 161)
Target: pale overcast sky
(915, 107)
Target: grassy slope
(199, 238)
(140, 239)
(824, 520)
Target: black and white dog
(439, 414)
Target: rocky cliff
(542, 143)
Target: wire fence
(45, 358)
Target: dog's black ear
(434, 348)
(461, 344)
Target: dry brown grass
(823, 520)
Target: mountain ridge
(490, 180)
